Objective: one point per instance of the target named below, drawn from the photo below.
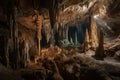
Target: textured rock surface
(64, 22)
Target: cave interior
(59, 39)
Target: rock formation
(31, 37)
(99, 54)
(93, 34)
(38, 22)
(86, 41)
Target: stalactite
(9, 14)
(34, 4)
(15, 37)
(100, 49)
(38, 23)
(93, 33)
(53, 13)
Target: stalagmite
(71, 41)
(25, 58)
(64, 32)
(86, 41)
(52, 41)
(76, 40)
(60, 32)
(56, 35)
(47, 30)
(93, 33)
(67, 32)
(100, 49)
(56, 26)
(38, 22)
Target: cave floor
(71, 65)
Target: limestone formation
(52, 49)
(93, 34)
(100, 49)
(86, 41)
(38, 23)
(47, 30)
(15, 37)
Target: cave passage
(59, 39)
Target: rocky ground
(70, 64)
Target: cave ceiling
(67, 11)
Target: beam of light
(95, 16)
(100, 21)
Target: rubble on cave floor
(71, 64)
(57, 64)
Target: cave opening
(77, 33)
